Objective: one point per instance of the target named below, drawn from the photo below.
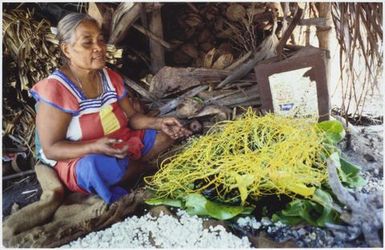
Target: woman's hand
(173, 128)
(106, 146)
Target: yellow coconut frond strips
(248, 157)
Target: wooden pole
(323, 33)
(157, 51)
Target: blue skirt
(100, 174)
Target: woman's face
(87, 49)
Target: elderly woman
(87, 127)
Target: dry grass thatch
(359, 34)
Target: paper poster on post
(294, 94)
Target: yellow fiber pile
(249, 157)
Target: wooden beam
(289, 31)
(142, 91)
(316, 21)
(239, 62)
(17, 175)
(172, 104)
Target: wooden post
(157, 50)
(323, 33)
(324, 10)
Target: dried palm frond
(29, 43)
(122, 9)
(113, 54)
(359, 34)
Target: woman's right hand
(105, 146)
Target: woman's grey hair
(68, 24)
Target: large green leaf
(335, 157)
(326, 201)
(349, 168)
(296, 212)
(350, 174)
(164, 201)
(197, 204)
(223, 212)
(334, 130)
(327, 216)
(314, 213)
(323, 198)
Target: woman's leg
(162, 142)
(136, 169)
(101, 174)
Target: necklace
(80, 83)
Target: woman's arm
(52, 125)
(169, 125)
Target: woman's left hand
(173, 128)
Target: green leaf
(323, 198)
(314, 213)
(335, 157)
(306, 211)
(247, 210)
(328, 216)
(164, 201)
(293, 208)
(357, 181)
(297, 211)
(350, 174)
(334, 130)
(349, 168)
(197, 204)
(288, 220)
(222, 212)
(326, 201)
